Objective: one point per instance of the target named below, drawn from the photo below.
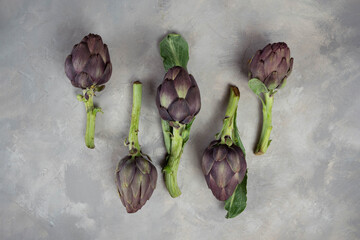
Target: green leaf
(174, 51)
(237, 202)
(96, 110)
(80, 97)
(186, 133)
(167, 135)
(257, 86)
(237, 139)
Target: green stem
(91, 112)
(264, 140)
(90, 124)
(134, 146)
(230, 116)
(172, 166)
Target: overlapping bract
(89, 63)
(224, 168)
(136, 180)
(272, 65)
(178, 97)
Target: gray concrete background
(305, 187)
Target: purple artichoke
(89, 63)
(178, 97)
(136, 180)
(272, 65)
(224, 168)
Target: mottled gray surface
(305, 187)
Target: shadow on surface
(250, 43)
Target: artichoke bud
(89, 63)
(178, 97)
(224, 168)
(136, 180)
(272, 65)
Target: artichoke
(272, 65)
(88, 67)
(268, 71)
(223, 162)
(178, 102)
(135, 175)
(178, 97)
(89, 63)
(136, 180)
(224, 168)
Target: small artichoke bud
(224, 168)
(272, 65)
(89, 63)
(178, 97)
(136, 180)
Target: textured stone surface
(305, 187)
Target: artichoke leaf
(167, 135)
(237, 139)
(257, 86)
(236, 203)
(186, 133)
(174, 51)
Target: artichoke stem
(91, 112)
(264, 140)
(134, 146)
(172, 166)
(228, 122)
